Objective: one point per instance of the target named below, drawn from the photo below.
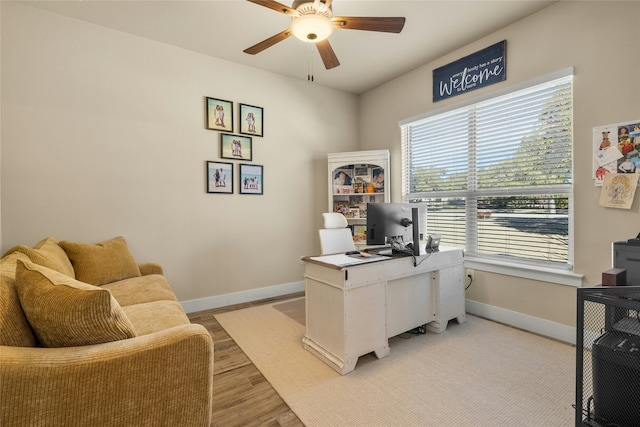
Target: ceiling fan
(313, 21)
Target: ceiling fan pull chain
(310, 62)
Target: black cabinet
(608, 357)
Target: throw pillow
(101, 263)
(47, 253)
(64, 312)
(15, 330)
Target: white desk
(353, 310)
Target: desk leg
(383, 352)
(437, 326)
(440, 326)
(449, 298)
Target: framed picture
(353, 213)
(235, 147)
(251, 179)
(378, 179)
(361, 171)
(219, 177)
(343, 176)
(219, 114)
(251, 120)
(360, 233)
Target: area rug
(479, 373)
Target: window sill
(543, 274)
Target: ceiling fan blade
(259, 47)
(274, 5)
(327, 54)
(387, 25)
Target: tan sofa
(90, 338)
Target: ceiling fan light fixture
(312, 28)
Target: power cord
(400, 246)
(420, 330)
(470, 281)
(422, 260)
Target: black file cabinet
(608, 357)
(616, 378)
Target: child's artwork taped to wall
(616, 149)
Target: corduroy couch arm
(160, 379)
(147, 268)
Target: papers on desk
(342, 260)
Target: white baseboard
(537, 325)
(217, 301)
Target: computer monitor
(396, 224)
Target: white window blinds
(497, 174)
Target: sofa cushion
(15, 330)
(48, 253)
(65, 312)
(103, 262)
(138, 290)
(155, 316)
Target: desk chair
(335, 237)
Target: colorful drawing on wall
(251, 120)
(618, 190)
(616, 149)
(219, 114)
(219, 177)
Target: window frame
(560, 273)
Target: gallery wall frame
(251, 179)
(236, 147)
(251, 120)
(219, 114)
(219, 177)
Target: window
(496, 174)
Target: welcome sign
(477, 70)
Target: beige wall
(601, 40)
(104, 135)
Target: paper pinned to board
(616, 149)
(608, 155)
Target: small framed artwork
(219, 177)
(378, 180)
(235, 147)
(360, 233)
(251, 179)
(251, 120)
(362, 172)
(343, 176)
(219, 114)
(353, 213)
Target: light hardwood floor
(241, 394)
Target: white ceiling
(224, 28)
